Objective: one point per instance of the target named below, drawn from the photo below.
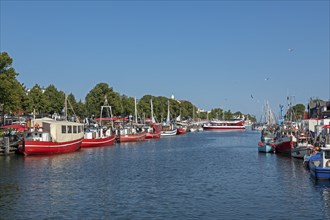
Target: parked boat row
(298, 141)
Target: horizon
(215, 54)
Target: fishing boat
(47, 136)
(300, 149)
(285, 144)
(153, 129)
(181, 130)
(221, 125)
(131, 132)
(168, 128)
(99, 135)
(319, 164)
(266, 144)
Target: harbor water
(203, 175)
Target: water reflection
(198, 175)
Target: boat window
(75, 129)
(69, 129)
(79, 129)
(63, 129)
(327, 154)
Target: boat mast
(168, 112)
(106, 105)
(135, 111)
(152, 112)
(66, 107)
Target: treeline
(16, 99)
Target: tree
(11, 90)
(96, 98)
(299, 111)
(55, 99)
(38, 100)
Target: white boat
(168, 128)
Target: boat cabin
(54, 131)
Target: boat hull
(284, 146)
(320, 173)
(99, 142)
(299, 152)
(181, 131)
(131, 137)
(169, 133)
(30, 147)
(265, 148)
(154, 135)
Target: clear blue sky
(213, 53)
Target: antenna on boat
(135, 110)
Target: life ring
(327, 164)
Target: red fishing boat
(97, 135)
(47, 136)
(230, 125)
(98, 139)
(181, 130)
(285, 144)
(153, 131)
(130, 135)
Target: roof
(17, 127)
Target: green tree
(38, 100)
(55, 99)
(11, 90)
(96, 98)
(299, 111)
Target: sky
(234, 55)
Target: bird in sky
(291, 49)
(267, 78)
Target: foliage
(97, 96)
(296, 112)
(12, 91)
(54, 100)
(38, 100)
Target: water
(204, 175)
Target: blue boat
(266, 147)
(266, 144)
(319, 164)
